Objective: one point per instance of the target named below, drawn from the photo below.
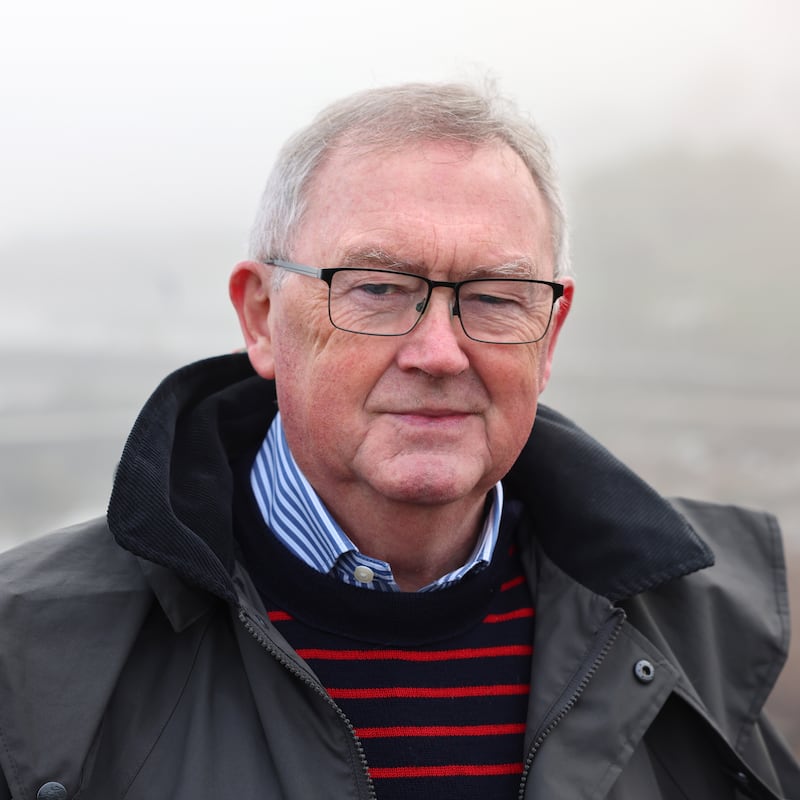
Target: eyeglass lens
(391, 304)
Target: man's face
(430, 417)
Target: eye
(492, 299)
(498, 294)
(377, 284)
(380, 289)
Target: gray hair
(390, 118)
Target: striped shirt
(299, 519)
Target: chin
(427, 486)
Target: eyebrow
(378, 258)
(519, 268)
(375, 257)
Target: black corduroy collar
(595, 518)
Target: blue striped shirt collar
(295, 513)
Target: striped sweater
(435, 684)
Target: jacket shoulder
(748, 537)
(79, 561)
(747, 585)
(71, 605)
(728, 624)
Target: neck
(421, 543)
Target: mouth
(435, 417)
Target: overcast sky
(166, 114)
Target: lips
(439, 419)
(433, 412)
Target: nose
(436, 344)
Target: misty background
(135, 140)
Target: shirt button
(363, 574)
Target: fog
(165, 115)
(134, 142)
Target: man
(348, 565)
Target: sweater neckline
(399, 618)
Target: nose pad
(422, 306)
(436, 347)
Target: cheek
(322, 401)
(324, 378)
(514, 396)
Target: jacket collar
(172, 496)
(596, 519)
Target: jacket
(136, 660)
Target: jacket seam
(146, 756)
(15, 776)
(655, 705)
(778, 572)
(294, 664)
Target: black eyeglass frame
(326, 274)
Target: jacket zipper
(252, 627)
(603, 643)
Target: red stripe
(441, 730)
(519, 613)
(430, 691)
(512, 583)
(278, 616)
(446, 771)
(415, 655)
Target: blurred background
(135, 139)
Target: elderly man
(347, 565)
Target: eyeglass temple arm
(301, 269)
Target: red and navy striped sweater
(435, 684)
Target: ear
(250, 290)
(560, 312)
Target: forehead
(442, 204)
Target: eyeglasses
(382, 302)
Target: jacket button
(644, 671)
(52, 791)
(742, 779)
